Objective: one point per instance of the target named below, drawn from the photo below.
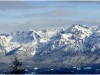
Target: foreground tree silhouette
(16, 67)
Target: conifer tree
(16, 67)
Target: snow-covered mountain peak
(79, 31)
(78, 44)
(49, 40)
(78, 28)
(22, 37)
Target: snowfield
(78, 45)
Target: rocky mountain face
(74, 46)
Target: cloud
(41, 24)
(15, 5)
(55, 13)
(36, 24)
(90, 22)
(44, 23)
(7, 27)
(61, 13)
(6, 5)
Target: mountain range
(78, 45)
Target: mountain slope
(56, 45)
(73, 38)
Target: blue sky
(40, 15)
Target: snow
(55, 45)
(75, 67)
(97, 33)
(33, 53)
(88, 68)
(78, 68)
(52, 69)
(48, 41)
(35, 68)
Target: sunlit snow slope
(76, 38)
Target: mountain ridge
(77, 46)
(55, 38)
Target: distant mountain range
(77, 46)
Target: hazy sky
(40, 15)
